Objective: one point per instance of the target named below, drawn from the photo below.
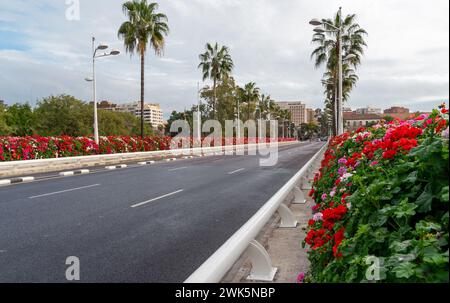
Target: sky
(43, 53)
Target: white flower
(346, 176)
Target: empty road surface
(155, 223)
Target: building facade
(398, 112)
(353, 120)
(311, 116)
(152, 112)
(369, 111)
(298, 111)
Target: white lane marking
(64, 191)
(179, 168)
(236, 171)
(158, 198)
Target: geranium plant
(382, 194)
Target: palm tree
(144, 26)
(327, 52)
(215, 63)
(249, 95)
(265, 106)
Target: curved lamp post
(113, 52)
(338, 30)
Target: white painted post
(287, 217)
(262, 269)
(299, 196)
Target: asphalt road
(144, 224)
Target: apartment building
(298, 111)
(152, 112)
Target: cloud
(406, 61)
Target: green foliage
(4, 128)
(63, 115)
(20, 119)
(397, 211)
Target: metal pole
(340, 117)
(95, 93)
(238, 121)
(199, 116)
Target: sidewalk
(283, 246)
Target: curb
(116, 167)
(16, 180)
(75, 172)
(146, 163)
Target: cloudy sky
(42, 53)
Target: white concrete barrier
(15, 168)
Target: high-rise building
(311, 116)
(152, 112)
(298, 111)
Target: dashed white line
(236, 171)
(158, 198)
(179, 168)
(64, 191)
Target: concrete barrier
(17, 168)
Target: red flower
(389, 154)
(338, 237)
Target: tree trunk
(142, 94)
(215, 97)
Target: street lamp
(238, 120)
(316, 22)
(199, 116)
(113, 52)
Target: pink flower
(332, 193)
(300, 277)
(374, 163)
(342, 161)
(318, 217)
(324, 197)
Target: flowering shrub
(35, 147)
(383, 192)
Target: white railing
(215, 268)
(10, 168)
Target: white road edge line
(236, 171)
(63, 191)
(155, 199)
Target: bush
(36, 147)
(383, 192)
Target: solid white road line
(155, 199)
(236, 171)
(175, 169)
(63, 191)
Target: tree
(144, 26)
(248, 96)
(215, 63)
(226, 92)
(120, 124)
(327, 52)
(20, 119)
(63, 115)
(4, 128)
